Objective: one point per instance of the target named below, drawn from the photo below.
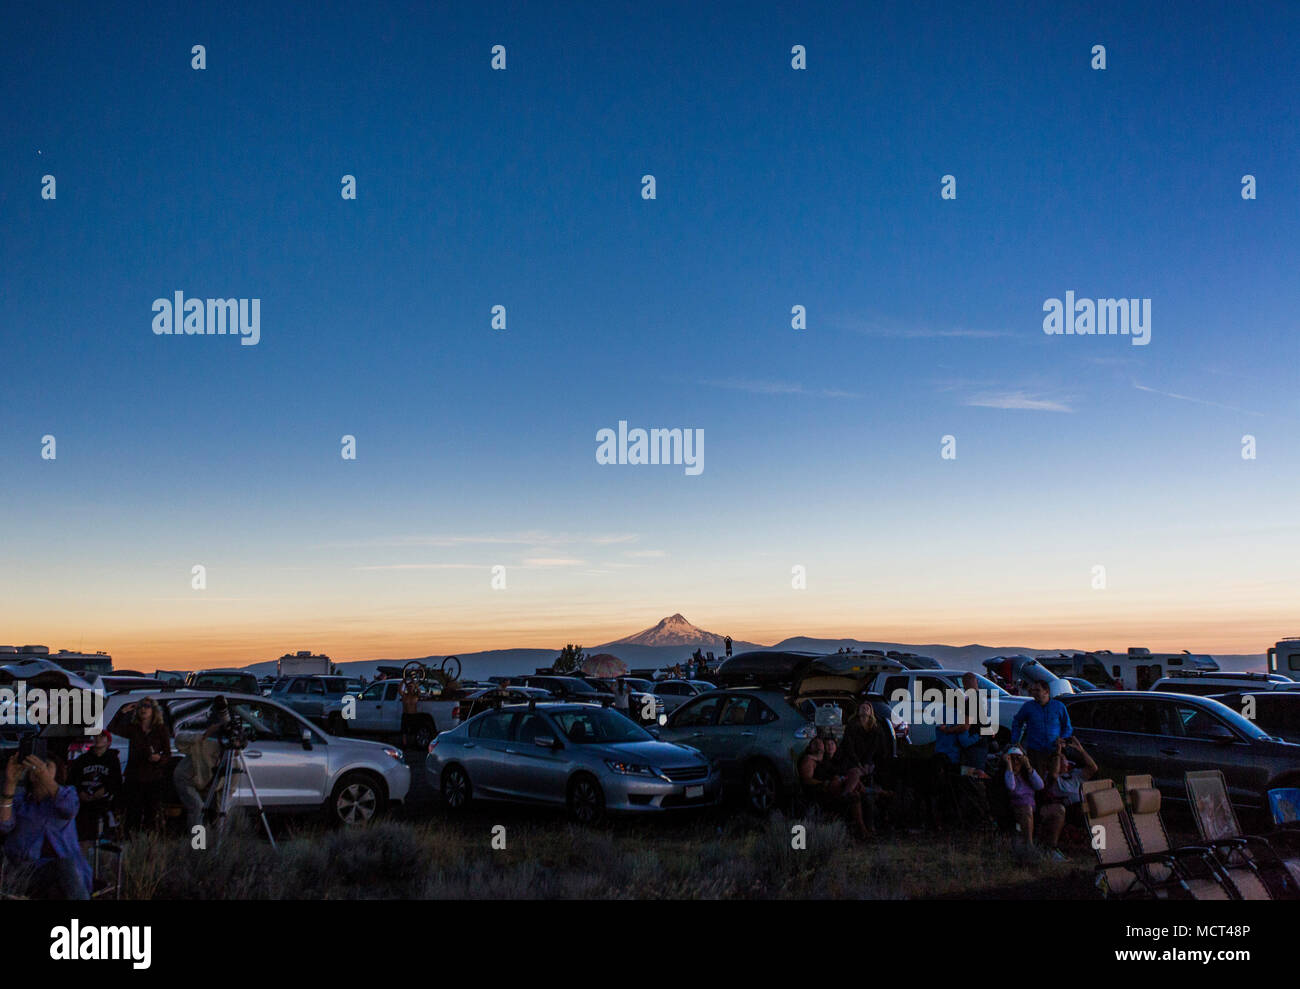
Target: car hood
(654, 753)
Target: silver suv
(296, 766)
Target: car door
(483, 753)
(370, 706)
(1198, 739)
(1118, 732)
(284, 773)
(313, 704)
(695, 724)
(529, 771)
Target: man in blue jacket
(1038, 725)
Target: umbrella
(604, 665)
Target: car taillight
(455, 713)
(433, 744)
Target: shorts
(410, 723)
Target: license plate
(694, 791)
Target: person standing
(622, 697)
(147, 759)
(197, 742)
(97, 777)
(410, 712)
(1043, 720)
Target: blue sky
(522, 188)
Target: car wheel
(761, 787)
(456, 790)
(357, 799)
(424, 735)
(586, 800)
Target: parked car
(675, 693)
(919, 684)
(589, 758)
(493, 698)
(643, 707)
(237, 681)
(317, 698)
(1165, 734)
(1219, 682)
(1080, 685)
(754, 737)
(1275, 711)
(378, 712)
(561, 687)
(296, 767)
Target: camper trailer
(1136, 669)
(1284, 657)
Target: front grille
(682, 774)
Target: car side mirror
(306, 739)
(545, 742)
(1220, 735)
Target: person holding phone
(148, 760)
(39, 825)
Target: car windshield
(984, 683)
(336, 686)
(1246, 727)
(599, 726)
(228, 681)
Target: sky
(774, 188)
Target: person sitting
(1064, 791)
(97, 777)
(39, 823)
(826, 785)
(1022, 782)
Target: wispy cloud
(756, 387)
(552, 561)
(1018, 400)
(646, 553)
(1198, 401)
(878, 329)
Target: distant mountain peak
(674, 630)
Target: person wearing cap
(1022, 783)
(97, 777)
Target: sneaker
(1055, 855)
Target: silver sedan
(592, 759)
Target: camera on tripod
(233, 733)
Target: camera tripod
(223, 780)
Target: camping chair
(1123, 871)
(1239, 879)
(1216, 820)
(106, 885)
(1284, 805)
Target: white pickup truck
(919, 686)
(378, 712)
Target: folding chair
(1216, 820)
(1240, 880)
(1122, 870)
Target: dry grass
(551, 859)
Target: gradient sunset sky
(776, 187)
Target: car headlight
(630, 768)
(396, 754)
